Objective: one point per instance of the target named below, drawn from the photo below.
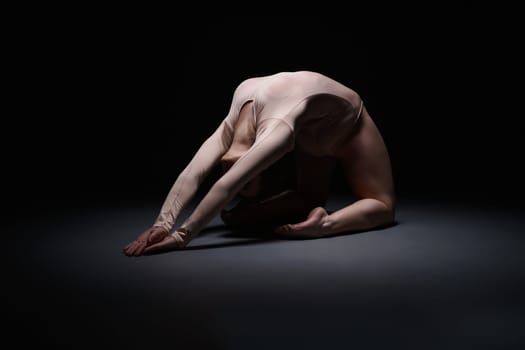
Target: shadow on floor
(254, 235)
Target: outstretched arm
(204, 160)
(313, 175)
(191, 178)
(274, 140)
(183, 189)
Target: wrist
(181, 236)
(182, 232)
(164, 226)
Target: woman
(324, 122)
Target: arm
(183, 190)
(204, 160)
(313, 176)
(274, 140)
(275, 137)
(192, 176)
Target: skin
(367, 169)
(147, 238)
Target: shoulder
(247, 84)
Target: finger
(130, 248)
(126, 251)
(168, 243)
(138, 249)
(131, 244)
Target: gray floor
(447, 276)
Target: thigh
(366, 163)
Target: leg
(284, 207)
(313, 179)
(367, 168)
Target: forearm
(362, 215)
(209, 206)
(191, 178)
(179, 196)
(272, 143)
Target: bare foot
(310, 228)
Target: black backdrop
(113, 109)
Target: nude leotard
(291, 109)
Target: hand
(312, 227)
(150, 236)
(178, 239)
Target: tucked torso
(321, 112)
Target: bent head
(274, 179)
(243, 138)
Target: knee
(377, 212)
(390, 215)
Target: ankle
(327, 225)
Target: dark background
(114, 107)
(109, 105)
